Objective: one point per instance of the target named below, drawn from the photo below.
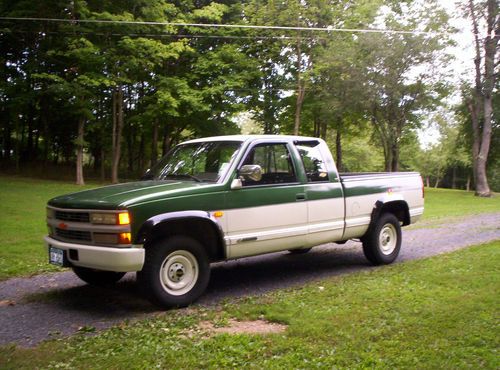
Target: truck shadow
(232, 279)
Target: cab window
(276, 164)
(313, 161)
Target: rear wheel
(176, 272)
(382, 243)
(97, 277)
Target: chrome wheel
(179, 272)
(388, 239)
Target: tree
(402, 79)
(480, 105)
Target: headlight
(121, 218)
(103, 218)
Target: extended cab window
(313, 161)
(276, 164)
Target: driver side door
(270, 214)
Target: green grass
(22, 218)
(436, 313)
(441, 203)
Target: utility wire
(219, 25)
(164, 35)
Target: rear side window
(276, 164)
(314, 163)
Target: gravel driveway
(55, 305)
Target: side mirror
(251, 172)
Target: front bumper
(101, 258)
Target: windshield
(201, 162)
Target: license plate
(56, 256)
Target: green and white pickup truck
(221, 198)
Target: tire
(97, 277)
(382, 242)
(176, 272)
(299, 251)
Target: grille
(74, 234)
(73, 216)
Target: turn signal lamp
(123, 218)
(124, 238)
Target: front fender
(147, 228)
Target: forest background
(104, 88)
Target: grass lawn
(22, 218)
(440, 312)
(440, 203)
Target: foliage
(434, 313)
(174, 82)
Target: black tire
(382, 242)
(299, 251)
(97, 277)
(176, 272)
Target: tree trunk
(79, 152)
(482, 100)
(395, 158)
(117, 133)
(154, 144)
(103, 167)
(437, 182)
(467, 186)
(141, 154)
(166, 140)
(454, 178)
(427, 181)
(324, 129)
(300, 89)
(338, 151)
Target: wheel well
(398, 208)
(199, 229)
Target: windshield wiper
(183, 176)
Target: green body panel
(263, 196)
(324, 190)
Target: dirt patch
(243, 327)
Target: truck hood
(127, 194)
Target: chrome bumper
(101, 258)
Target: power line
(164, 35)
(220, 25)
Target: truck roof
(243, 138)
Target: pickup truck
(221, 198)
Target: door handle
(300, 197)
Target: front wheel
(176, 272)
(97, 277)
(382, 242)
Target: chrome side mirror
(251, 172)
